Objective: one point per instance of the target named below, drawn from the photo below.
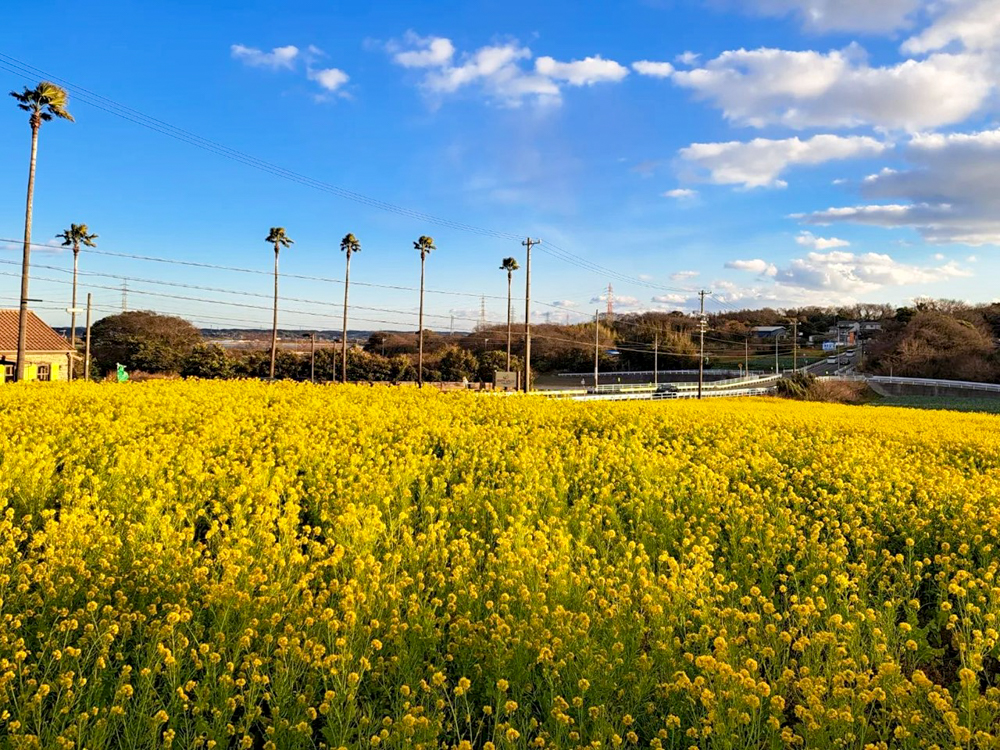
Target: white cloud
(835, 276)
(759, 163)
(330, 79)
(279, 57)
(585, 72)
(839, 271)
(681, 194)
(54, 247)
(500, 71)
(758, 266)
(975, 24)
(971, 259)
(564, 303)
(430, 52)
(822, 16)
(951, 193)
(683, 275)
(670, 299)
(808, 239)
(839, 89)
(688, 58)
(620, 301)
(654, 69)
(938, 256)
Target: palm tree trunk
(72, 315)
(420, 348)
(274, 327)
(347, 282)
(508, 319)
(22, 316)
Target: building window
(8, 373)
(44, 373)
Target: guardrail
(964, 384)
(716, 384)
(670, 395)
(931, 382)
(590, 375)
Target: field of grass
(951, 403)
(241, 565)
(765, 362)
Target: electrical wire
(29, 72)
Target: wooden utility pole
(656, 358)
(701, 347)
(312, 359)
(795, 345)
(71, 375)
(528, 243)
(86, 348)
(597, 341)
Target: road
(825, 368)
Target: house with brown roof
(47, 354)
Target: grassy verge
(951, 403)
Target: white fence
(963, 384)
(665, 395)
(614, 373)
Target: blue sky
(776, 152)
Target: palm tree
(76, 235)
(43, 102)
(509, 265)
(279, 239)
(349, 245)
(425, 244)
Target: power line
(262, 272)
(29, 72)
(181, 285)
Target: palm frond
(76, 234)
(350, 244)
(424, 244)
(46, 100)
(277, 236)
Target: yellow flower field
(244, 565)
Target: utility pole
(312, 359)
(528, 243)
(777, 338)
(72, 342)
(86, 348)
(746, 358)
(656, 359)
(795, 344)
(597, 345)
(701, 346)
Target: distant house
(871, 326)
(47, 354)
(768, 332)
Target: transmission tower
(482, 313)
(611, 304)
(124, 296)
